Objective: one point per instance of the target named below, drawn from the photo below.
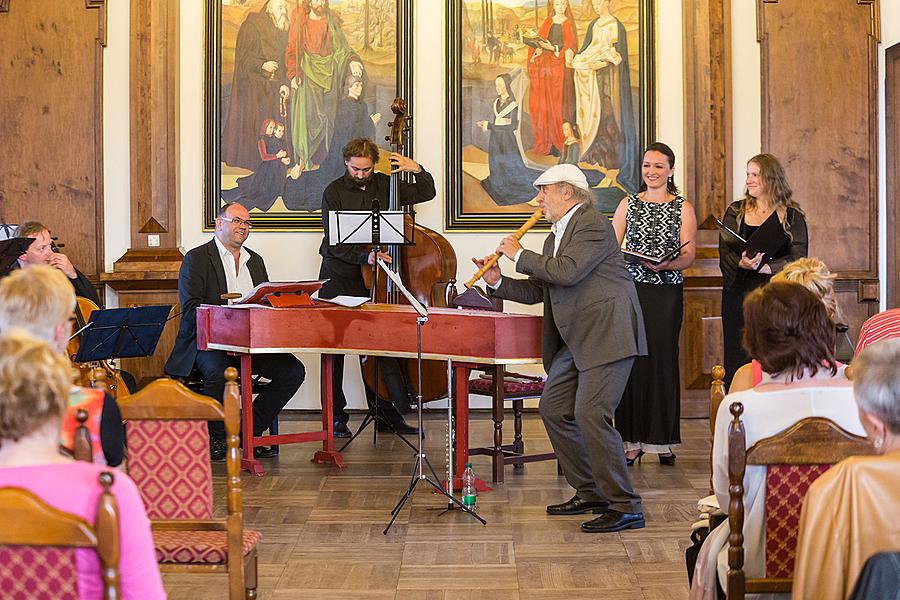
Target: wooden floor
(322, 528)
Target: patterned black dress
(649, 412)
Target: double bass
(428, 270)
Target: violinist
(40, 301)
(42, 252)
(356, 190)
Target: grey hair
(578, 194)
(876, 382)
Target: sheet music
(355, 227)
(348, 301)
(396, 279)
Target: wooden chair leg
(250, 582)
(518, 443)
(497, 461)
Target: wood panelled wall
(892, 160)
(51, 125)
(819, 117)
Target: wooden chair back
(37, 534)
(168, 403)
(793, 458)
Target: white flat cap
(564, 173)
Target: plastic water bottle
(469, 493)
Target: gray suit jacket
(590, 303)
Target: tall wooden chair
(38, 543)
(793, 459)
(168, 459)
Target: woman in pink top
(34, 389)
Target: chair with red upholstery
(168, 459)
(38, 544)
(504, 387)
(793, 459)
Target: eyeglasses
(238, 221)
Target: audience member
(34, 384)
(814, 275)
(882, 326)
(850, 512)
(788, 331)
(40, 301)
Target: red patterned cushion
(37, 573)
(786, 487)
(512, 386)
(169, 462)
(206, 547)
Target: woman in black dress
(767, 191)
(656, 221)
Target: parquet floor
(322, 528)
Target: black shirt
(341, 264)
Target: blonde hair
(813, 274)
(779, 190)
(36, 299)
(34, 384)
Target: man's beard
(358, 183)
(280, 18)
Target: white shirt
(238, 281)
(558, 229)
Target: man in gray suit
(593, 329)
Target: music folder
(638, 257)
(285, 294)
(768, 238)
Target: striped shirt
(879, 327)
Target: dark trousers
(732, 331)
(577, 408)
(284, 370)
(391, 375)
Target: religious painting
(288, 84)
(534, 83)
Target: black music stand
(422, 458)
(122, 333)
(10, 251)
(372, 228)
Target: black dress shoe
(264, 452)
(577, 506)
(341, 430)
(217, 450)
(396, 426)
(613, 520)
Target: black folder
(637, 257)
(768, 238)
(122, 333)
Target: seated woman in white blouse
(788, 331)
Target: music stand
(369, 227)
(10, 251)
(421, 458)
(122, 333)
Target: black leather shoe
(341, 430)
(613, 520)
(264, 452)
(396, 426)
(577, 506)
(217, 449)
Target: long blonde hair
(776, 184)
(813, 274)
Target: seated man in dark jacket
(224, 265)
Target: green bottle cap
(468, 465)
